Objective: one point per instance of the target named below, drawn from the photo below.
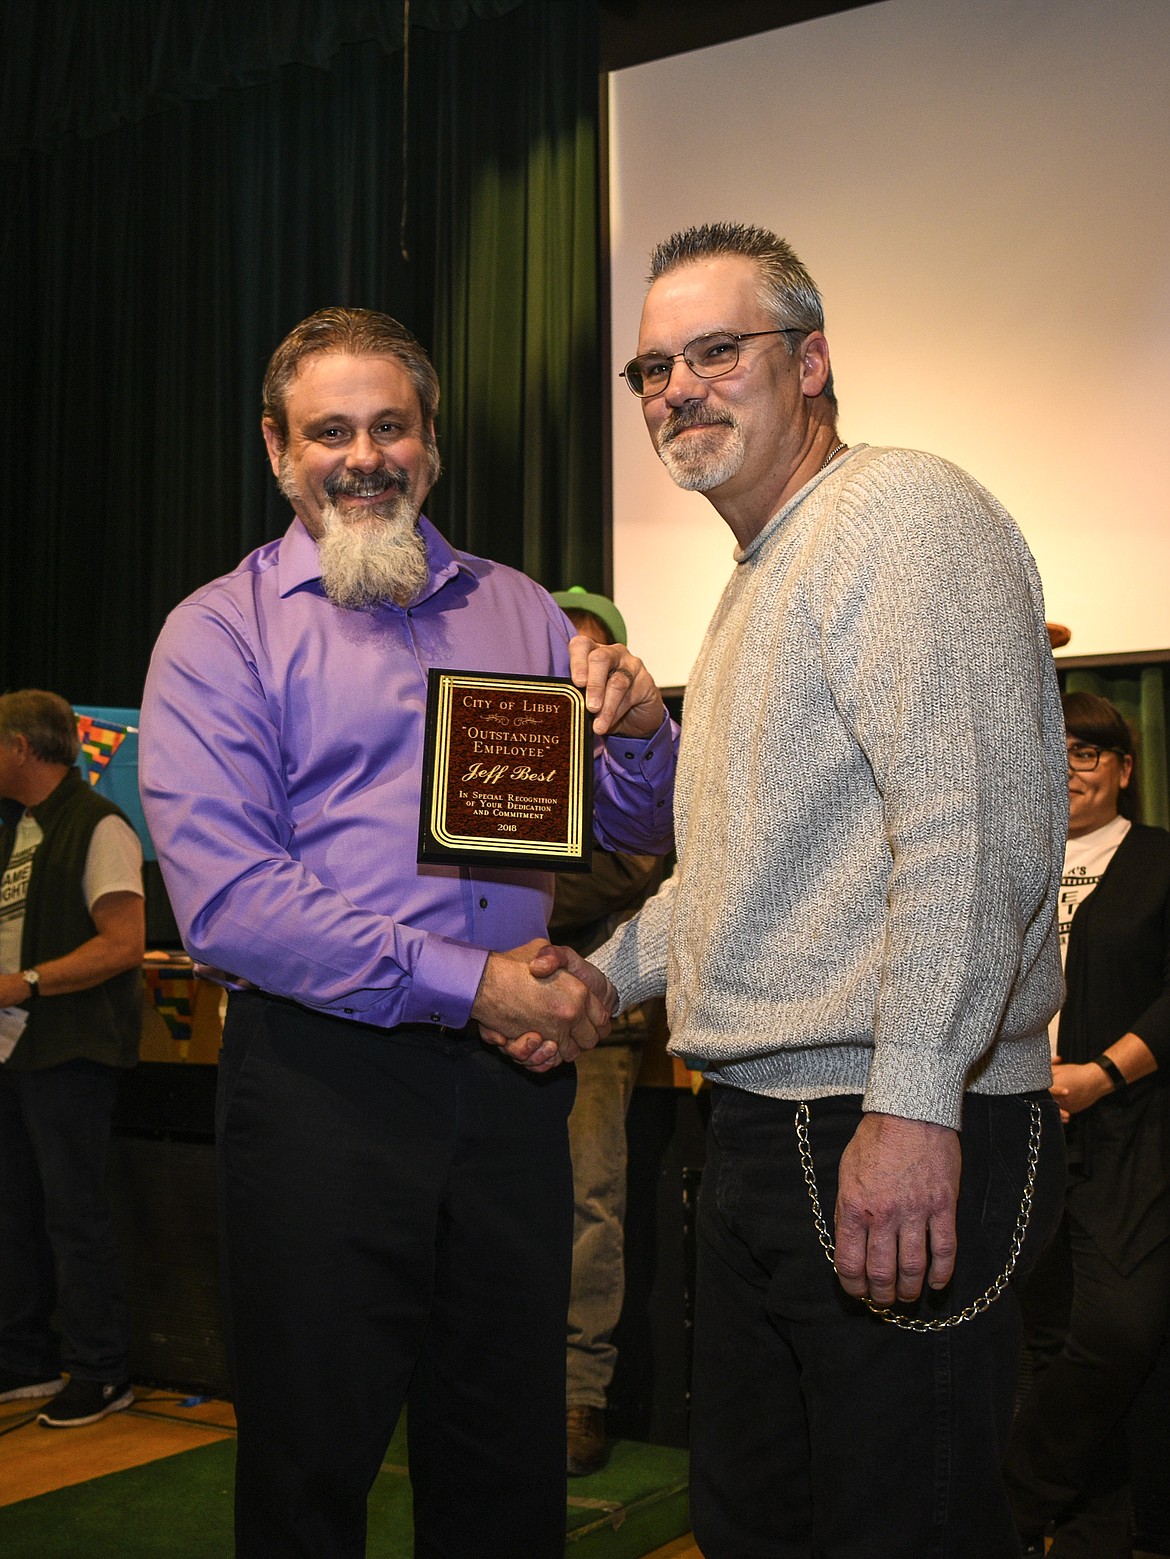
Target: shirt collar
(299, 562)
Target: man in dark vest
(71, 942)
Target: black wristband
(1113, 1072)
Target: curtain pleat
(82, 67)
(522, 348)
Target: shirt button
(629, 755)
(483, 903)
(436, 1017)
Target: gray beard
(376, 558)
(693, 466)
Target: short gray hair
(352, 333)
(45, 720)
(787, 292)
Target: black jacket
(1118, 977)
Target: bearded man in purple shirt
(395, 1191)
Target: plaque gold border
(571, 849)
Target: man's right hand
(532, 1004)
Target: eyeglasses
(1084, 757)
(708, 356)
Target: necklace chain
(989, 1296)
(837, 449)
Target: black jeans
(396, 1227)
(818, 1430)
(57, 1244)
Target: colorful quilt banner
(100, 740)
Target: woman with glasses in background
(1098, 1303)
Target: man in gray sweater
(859, 943)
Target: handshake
(542, 1005)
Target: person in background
(395, 1192)
(1099, 1302)
(72, 937)
(586, 909)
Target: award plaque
(507, 772)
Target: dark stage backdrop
(181, 184)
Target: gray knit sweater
(871, 806)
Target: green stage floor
(181, 1505)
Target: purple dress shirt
(280, 759)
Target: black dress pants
(396, 1214)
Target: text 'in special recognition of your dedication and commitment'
(507, 772)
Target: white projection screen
(979, 188)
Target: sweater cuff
(915, 1084)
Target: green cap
(577, 599)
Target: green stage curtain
(517, 320)
(1140, 694)
(81, 67)
(171, 213)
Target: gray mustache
(693, 417)
(370, 484)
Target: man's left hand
(895, 1218)
(620, 693)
